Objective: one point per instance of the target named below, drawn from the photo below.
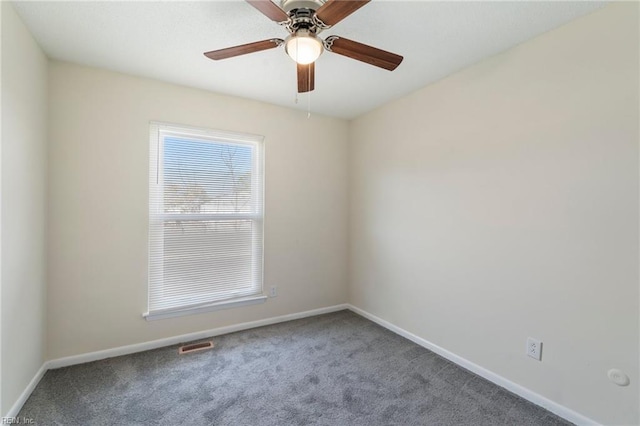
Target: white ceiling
(166, 40)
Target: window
(205, 220)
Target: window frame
(157, 217)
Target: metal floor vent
(195, 347)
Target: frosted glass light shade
(303, 47)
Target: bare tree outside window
(229, 192)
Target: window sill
(178, 312)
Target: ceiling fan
(304, 20)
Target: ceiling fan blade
(306, 77)
(243, 49)
(362, 52)
(334, 11)
(270, 10)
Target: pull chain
(297, 50)
(309, 90)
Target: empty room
(327, 212)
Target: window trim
(215, 306)
(159, 130)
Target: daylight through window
(205, 220)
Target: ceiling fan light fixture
(303, 47)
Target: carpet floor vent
(195, 347)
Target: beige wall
(98, 218)
(502, 203)
(499, 203)
(23, 170)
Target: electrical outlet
(273, 291)
(534, 348)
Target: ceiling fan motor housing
(289, 5)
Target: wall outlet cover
(534, 348)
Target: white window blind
(205, 219)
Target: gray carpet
(334, 369)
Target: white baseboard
(521, 391)
(17, 406)
(155, 344)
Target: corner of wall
(23, 158)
